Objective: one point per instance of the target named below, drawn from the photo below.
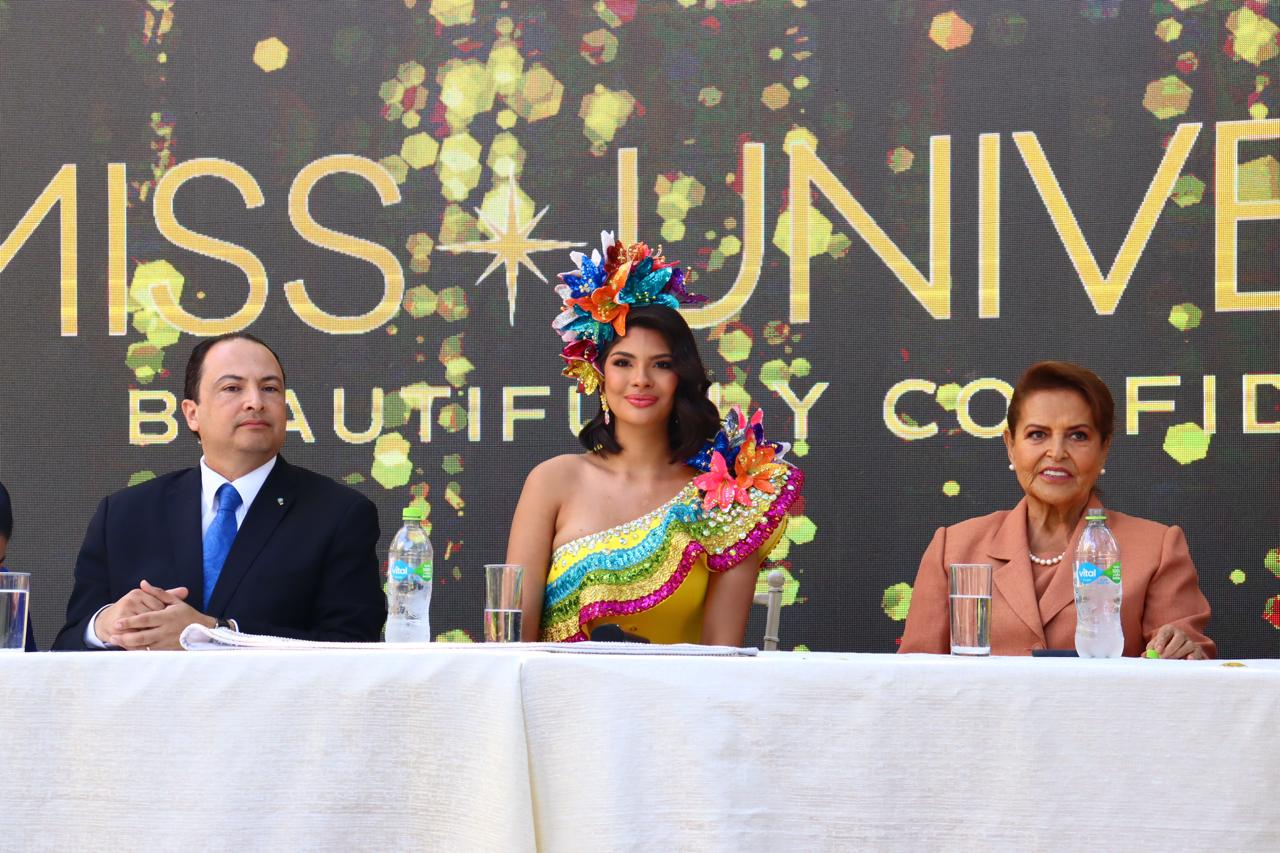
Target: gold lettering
(1135, 406)
(473, 413)
(1253, 425)
(164, 416)
(117, 249)
(421, 397)
(344, 244)
(894, 422)
(989, 225)
(62, 192)
(297, 418)
(510, 414)
(576, 423)
(799, 408)
(934, 293)
(184, 238)
(1105, 291)
(340, 417)
(628, 195)
(744, 285)
(1231, 211)
(1210, 396)
(966, 395)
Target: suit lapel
(275, 498)
(182, 506)
(1013, 579)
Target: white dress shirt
(210, 481)
(248, 486)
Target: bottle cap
(1095, 514)
(412, 513)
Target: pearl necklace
(1046, 561)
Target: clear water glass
(502, 602)
(15, 593)
(971, 609)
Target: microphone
(610, 633)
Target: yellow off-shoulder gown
(649, 576)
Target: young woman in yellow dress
(660, 527)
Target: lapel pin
(280, 501)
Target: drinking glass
(971, 609)
(15, 590)
(502, 583)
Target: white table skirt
(263, 750)
(507, 749)
(876, 752)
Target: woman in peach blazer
(1059, 431)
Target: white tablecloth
(263, 750)
(508, 749)
(876, 752)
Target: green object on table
(1151, 653)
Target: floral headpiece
(599, 294)
(737, 460)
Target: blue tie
(219, 536)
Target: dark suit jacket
(1157, 579)
(302, 565)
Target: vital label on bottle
(1087, 573)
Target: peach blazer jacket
(1158, 581)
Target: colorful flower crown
(737, 460)
(599, 294)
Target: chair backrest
(773, 600)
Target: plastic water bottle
(1099, 633)
(409, 582)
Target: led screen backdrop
(894, 206)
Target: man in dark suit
(244, 539)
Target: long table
(506, 748)
(263, 750)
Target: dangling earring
(604, 407)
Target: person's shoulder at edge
(322, 485)
(553, 480)
(1145, 538)
(1115, 518)
(148, 488)
(977, 528)
(558, 471)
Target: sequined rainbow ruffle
(638, 565)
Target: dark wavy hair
(694, 418)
